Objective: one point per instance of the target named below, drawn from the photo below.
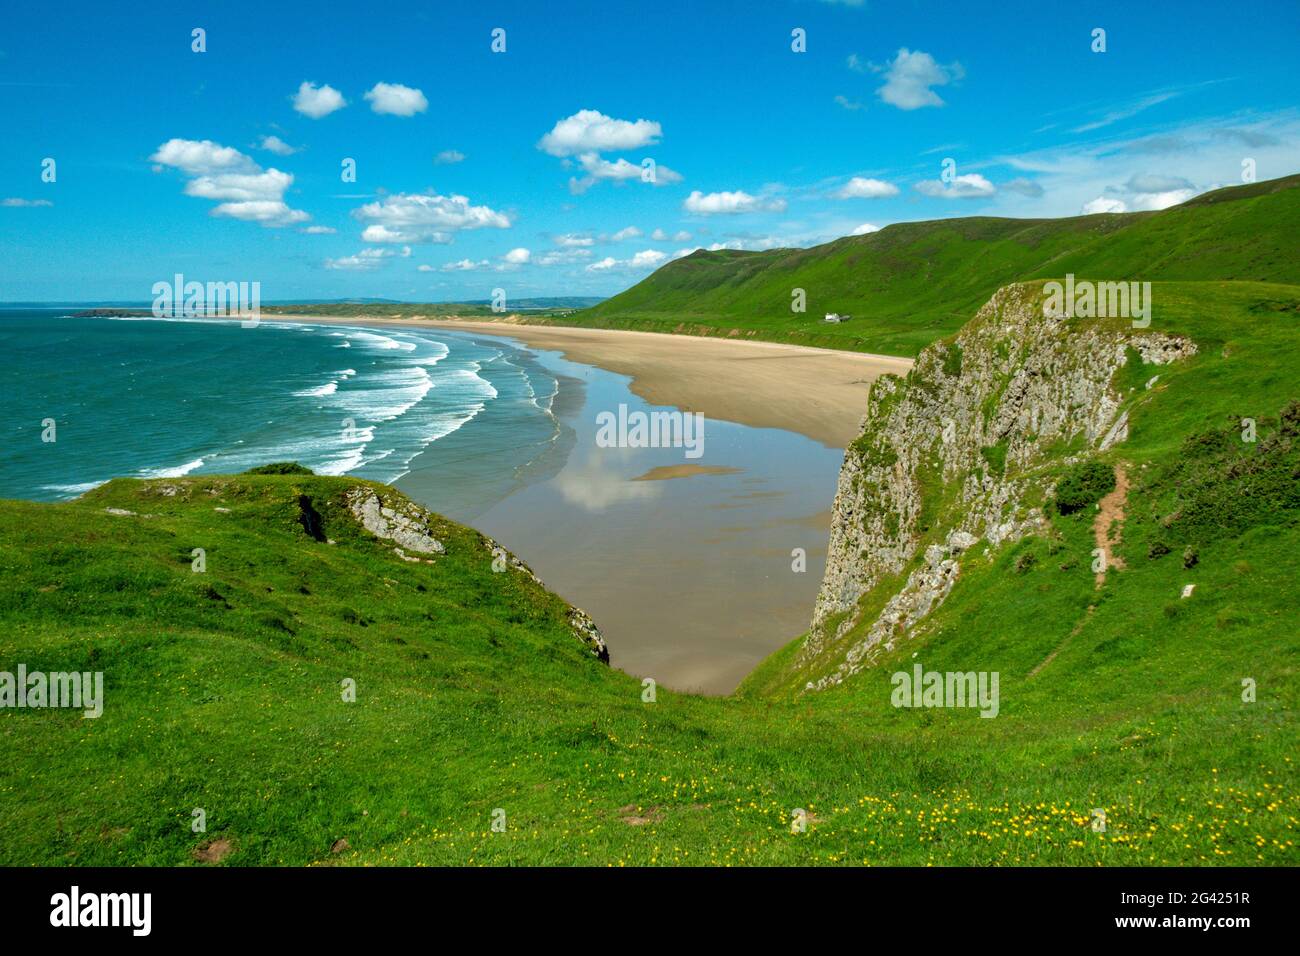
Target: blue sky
(522, 170)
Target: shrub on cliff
(280, 468)
(1083, 485)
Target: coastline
(815, 392)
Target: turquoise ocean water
(165, 398)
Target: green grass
(223, 688)
(912, 283)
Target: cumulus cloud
(569, 240)
(729, 203)
(17, 203)
(424, 217)
(590, 131)
(631, 232)
(274, 144)
(242, 189)
(645, 259)
(394, 99)
(196, 157)
(865, 228)
(910, 78)
(1153, 201)
(380, 233)
(517, 257)
(318, 231)
(449, 156)
(970, 186)
(860, 188)
(366, 260)
(848, 104)
(620, 170)
(1103, 204)
(317, 101)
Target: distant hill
(912, 283)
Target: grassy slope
(223, 688)
(912, 283)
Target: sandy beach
(820, 393)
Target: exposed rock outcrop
(956, 453)
(406, 525)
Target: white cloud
(910, 76)
(317, 101)
(465, 265)
(970, 186)
(560, 257)
(728, 203)
(569, 241)
(620, 170)
(848, 104)
(860, 188)
(518, 256)
(659, 236)
(14, 203)
(425, 217)
(197, 157)
(645, 259)
(865, 228)
(631, 232)
(449, 156)
(381, 233)
(588, 131)
(268, 212)
(319, 231)
(242, 189)
(1102, 204)
(1163, 200)
(269, 184)
(394, 99)
(682, 236)
(274, 144)
(366, 260)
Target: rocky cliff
(965, 449)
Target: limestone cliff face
(957, 453)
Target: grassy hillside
(223, 688)
(912, 283)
